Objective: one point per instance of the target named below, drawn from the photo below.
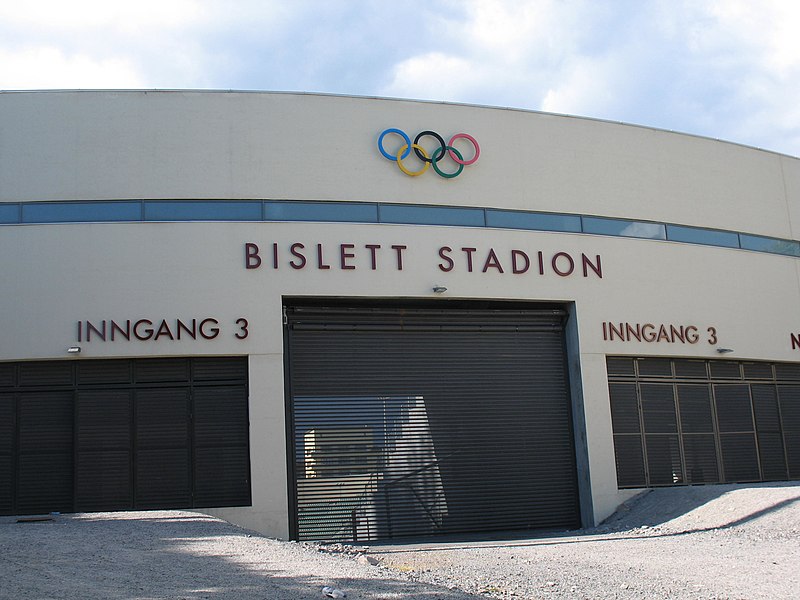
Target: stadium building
(340, 318)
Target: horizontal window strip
(117, 211)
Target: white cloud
(41, 68)
(82, 15)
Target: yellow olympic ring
(403, 168)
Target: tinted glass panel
(664, 459)
(724, 369)
(70, 212)
(695, 409)
(201, 211)
(9, 213)
(654, 367)
(629, 461)
(766, 244)
(697, 235)
(321, 211)
(535, 221)
(624, 407)
(431, 215)
(658, 408)
(690, 368)
(620, 366)
(653, 231)
(733, 408)
(701, 458)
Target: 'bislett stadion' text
(466, 259)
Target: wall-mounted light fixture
(439, 289)
(724, 350)
(74, 350)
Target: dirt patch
(732, 541)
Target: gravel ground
(730, 541)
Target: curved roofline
(394, 99)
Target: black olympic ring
(429, 160)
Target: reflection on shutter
(429, 422)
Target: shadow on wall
(136, 555)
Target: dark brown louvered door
(97, 435)
(688, 421)
(425, 422)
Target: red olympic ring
(444, 149)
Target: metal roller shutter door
(422, 422)
(96, 435)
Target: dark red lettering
(192, 333)
(399, 249)
(212, 332)
(320, 262)
(596, 267)
(372, 254)
(101, 333)
(515, 268)
(163, 329)
(343, 248)
(251, 258)
(294, 250)
(469, 252)
(148, 331)
(449, 263)
(126, 333)
(492, 262)
(570, 262)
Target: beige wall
(228, 145)
(99, 145)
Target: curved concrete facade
(102, 147)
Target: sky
(726, 69)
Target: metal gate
(96, 435)
(412, 422)
(688, 421)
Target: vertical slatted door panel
(790, 414)
(7, 443)
(737, 433)
(628, 451)
(45, 452)
(417, 426)
(221, 454)
(662, 449)
(103, 476)
(697, 427)
(163, 458)
(768, 427)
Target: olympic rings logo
(429, 160)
